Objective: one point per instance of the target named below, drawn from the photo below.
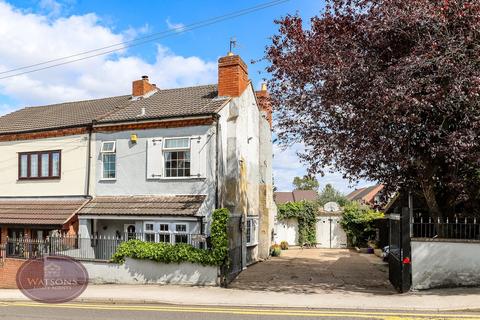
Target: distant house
(295, 195)
(371, 196)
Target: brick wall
(8, 273)
(232, 76)
(263, 99)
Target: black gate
(234, 265)
(399, 258)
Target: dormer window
(39, 165)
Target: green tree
(329, 193)
(306, 183)
(357, 221)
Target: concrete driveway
(317, 271)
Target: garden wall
(149, 272)
(440, 263)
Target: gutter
(147, 120)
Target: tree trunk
(433, 207)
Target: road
(27, 310)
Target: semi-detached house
(155, 162)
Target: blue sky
(36, 31)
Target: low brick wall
(8, 273)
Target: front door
(130, 230)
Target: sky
(37, 31)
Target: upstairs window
(109, 160)
(176, 154)
(39, 165)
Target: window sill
(181, 178)
(254, 244)
(108, 179)
(38, 178)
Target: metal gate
(235, 246)
(399, 261)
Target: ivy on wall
(306, 214)
(177, 253)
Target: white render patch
(135, 271)
(438, 264)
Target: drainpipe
(89, 160)
(217, 139)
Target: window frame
(186, 149)
(109, 152)
(252, 225)
(180, 233)
(39, 155)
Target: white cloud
(287, 165)
(52, 7)
(5, 108)
(178, 27)
(29, 38)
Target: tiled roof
(360, 194)
(296, 195)
(38, 212)
(60, 115)
(171, 103)
(166, 103)
(183, 205)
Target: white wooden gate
(329, 233)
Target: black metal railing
(456, 228)
(90, 248)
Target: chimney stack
(232, 76)
(142, 87)
(264, 103)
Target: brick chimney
(142, 87)
(232, 76)
(263, 99)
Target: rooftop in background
(365, 195)
(295, 195)
(189, 101)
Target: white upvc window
(181, 233)
(252, 231)
(109, 160)
(149, 232)
(177, 157)
(164, 233)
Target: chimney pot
(145, 78)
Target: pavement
(310, 278)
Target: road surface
(30, 310)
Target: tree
(386, 90)
(306, 183)
(329, 193)
(358, 223)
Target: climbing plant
(306, 214)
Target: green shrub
(284, 245)
(275, 250)
(177, 253)
(306, 214)
(357, 221)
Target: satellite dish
(331, 207)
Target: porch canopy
(40, 211)
(178, 205)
